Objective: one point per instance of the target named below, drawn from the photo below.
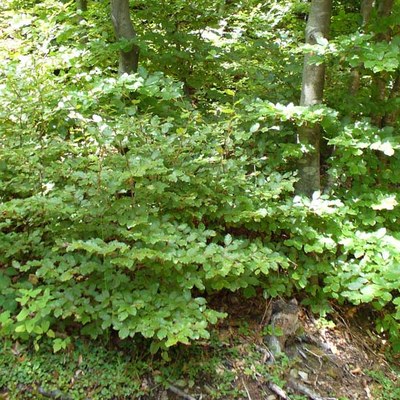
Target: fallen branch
(299, 387)
(278, 390)
(273, 387)
(180, 393)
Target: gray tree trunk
(366, 9)
(385, 7)
(317, 29)
(123, 28)
(381, 80)
(391, 118)
(81, 5)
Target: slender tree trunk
(391, 117)
(311, 94)
(385, 7)
(381, 80)
(81, 5)
(123, 28)
(366, 10)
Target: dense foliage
(126, 199)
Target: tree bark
(366, 10)
(81, 5)
(381, 80)
(311, 94)
(385, 7)
(123, 28)
(391, 117)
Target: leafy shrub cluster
(115, 224)
(122, 204)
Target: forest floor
(335, 358)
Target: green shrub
(123, 204)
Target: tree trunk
(366, 9)
(381, 80)
(123, 28)
(311, 94)
(391, 117)
(385, 7)
(81, 5)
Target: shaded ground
(336, 359)
(339, 358)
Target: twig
(301, 352)
(265, 319)
(247, 390)
(180, 393)
(273, 387)
(312, 340)
(317, 356)
(277, 390)
(266, 352)
(324, 347)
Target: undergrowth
(96, 370)
(123, 203)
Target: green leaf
(23, 314)
(255, 127)
(123, 316)
(228, 239)
(5, 317)
(58, 344)
(123, 333)
(5, 281)
(20, 328)
(162, 333)
(50, 333)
